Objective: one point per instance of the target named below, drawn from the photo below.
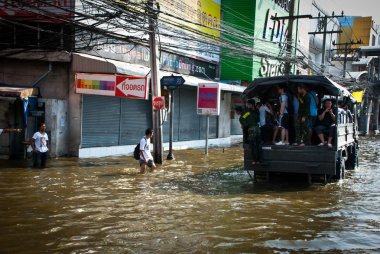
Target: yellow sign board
(358, 95)
(204, 12)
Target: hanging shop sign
(54, 11)
(169, 62)
(208, 99)
(134, 87)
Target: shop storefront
(111, 125)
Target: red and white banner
(131, 87)
(134, 87)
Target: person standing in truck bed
(302, 116)
(284, 116)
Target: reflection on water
(195, 204)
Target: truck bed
(294, 159)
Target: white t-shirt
(145, 148)
(263, 109)
(1, 131)
(41, 141)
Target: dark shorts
(284, 121)
(149, 163)
(311, 122)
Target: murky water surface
(195, 204)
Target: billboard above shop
(43, 11)
(134, 87)
(201, 17)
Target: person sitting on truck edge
(284, 116)
(302, 116)
(325, 121)
(251, 121)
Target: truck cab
(316, 161)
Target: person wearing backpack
(146, 158)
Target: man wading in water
(146, 158)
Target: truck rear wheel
(353, 157)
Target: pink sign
(208, 102)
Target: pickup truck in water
(318, 162)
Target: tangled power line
(98, 23)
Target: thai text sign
(134, 87)
(208, 99)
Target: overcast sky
(353, 7)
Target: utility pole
(155, 84)
(323, 21)
(346, 50)
(289, 38)
(289, 35)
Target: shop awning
(358, 75)
(123, 68)
(363, 61)
(22, 92)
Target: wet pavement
(195, 204)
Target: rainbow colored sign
(112, 85)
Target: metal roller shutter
(100, 121)
(213, 127)
(166, 125)
(111, 121)
(191, 125)
(136, 117)
(235, 126)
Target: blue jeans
(39, 159)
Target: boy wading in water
(146, 158)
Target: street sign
(172, 80)
(158, 103)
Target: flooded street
(195, 204)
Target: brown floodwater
(195, 204)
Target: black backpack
(136, 152)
